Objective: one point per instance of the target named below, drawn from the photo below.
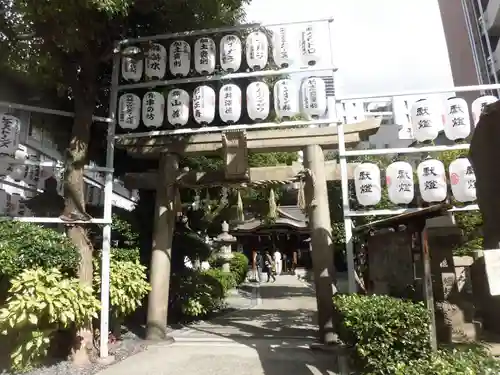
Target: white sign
(492, 263)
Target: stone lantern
(224, 242)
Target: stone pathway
(272, 338)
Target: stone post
(224, 241)
(321, 240)
(164, 223)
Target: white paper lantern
(180, 58)
(204, 55)
(156, 61)
(257, 52)
(153, 107)
(479, 104)
(230, 53)
(313, 97)
(367, 184)
(178, 107)
(204, 104)
(258, 101)
(309, 45)
(400, 185)
(230, 103)
(10, 127)
(282, 51)
(432, 180)
(462, 180)
(132, 67)
(286, 99)
(129, 108)
(427, 120)
(457, 124)
(19, 171)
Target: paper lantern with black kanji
(230, 53)
(156, 61)
(257, 52)
(131, 66)
(10, 126)
(180, 58)
(282, 47)
(286, 99)
(427, 120)
(178, 107)
(367, 184)
(129, 111)
(462, 180)
(258, 101)
(153, 107)
(432, 180)
(399, 180)
(204, 55)
(204, 104)
(479, 104)
(313, 97)
(230, 103)
(457, 123)
(309, 47)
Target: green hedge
(390, 336)
(383, 330)
(239, 267)
(196, 294)
(26, 246)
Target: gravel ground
(129, 345)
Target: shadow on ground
(281, 337)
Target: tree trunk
(75, 206)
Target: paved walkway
(271, 338)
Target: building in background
(472, 31)
(44, 138)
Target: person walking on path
(269, 267)
(259, 264)
(278, 262)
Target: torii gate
(234, 146)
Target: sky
(379, 45)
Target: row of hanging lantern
(230, 54)
(432, 182)
(429, 117)
(310, 101)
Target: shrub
(472, 361)
(126, 254)
(128, 286)
(196, 294)
(226, 280)
(239, 267)
(40, 303)
(27, 246)
(384, 331)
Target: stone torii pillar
(164, 224)
(321, 239)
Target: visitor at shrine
(278, 261)
(284, 263)
(269, 267)
(259, 264)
